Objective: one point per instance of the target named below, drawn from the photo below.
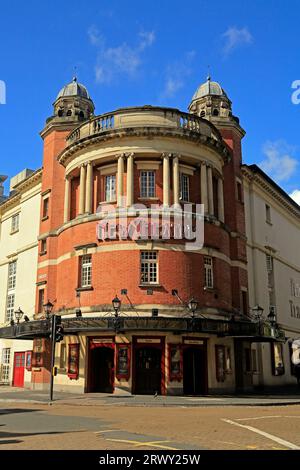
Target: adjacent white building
(273, 252)
(19, 227)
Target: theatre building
(148, 314)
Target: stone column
(67, 199)
(120, 179)
(89, 188)
(166, 180)
(220, 200)
(176, 180)
(204, 198)
(210, 191)
(82, 189)
(130, 180)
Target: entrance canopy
(248, 330)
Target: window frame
(41, 300)
(147, 187)
(15, 223)
(184, 189)
(12, 276)
(208, 272)
(45, 208)
(85, 272)
(5, 365)
(268, 214)
(110, 193)
(144, 262)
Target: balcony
(130, 121)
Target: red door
(19, 368)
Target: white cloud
(235, 37)
(280, 162)
(147, 39)
(121, 60)
(176, 74)
(296, 196)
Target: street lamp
(193, 305)
(48, 307)
(258, 312)
(116, 302)
(19, 314)
(272, 318)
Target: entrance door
(102, 370)
(194, 371)
(19, 369)
(148, 371)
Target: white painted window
(15, 220)
(11, 287)
(5, 365)
(10, 307)
(208, 272)
(12, 275)
(147, 183)
(86, 271)
(110, 188)
(149, 267)
(184, 187)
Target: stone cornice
(30, 182)
(272, 190)
(220, 147)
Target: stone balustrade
(147, 116)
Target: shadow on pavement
(8, 411)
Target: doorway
(194, 371)
(148, 370)
(19, 369)
(101, 370)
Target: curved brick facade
(75, 171)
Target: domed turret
(74, 89)
(73, 102)
(211, 102)
(72, 106)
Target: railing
(147, 116)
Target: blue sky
(141, 52)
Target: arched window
(69, 113)
(81, 114)
(60, 113)
(215, 112)
(202, 114)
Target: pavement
(279, 397)
(30, 426)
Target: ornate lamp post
(272, 318)
(116, 303)
(48, 307)
(19, 314)
(193, 305)
(258, 313)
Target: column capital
(129, 154)
(166, 155)
(120, 155)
